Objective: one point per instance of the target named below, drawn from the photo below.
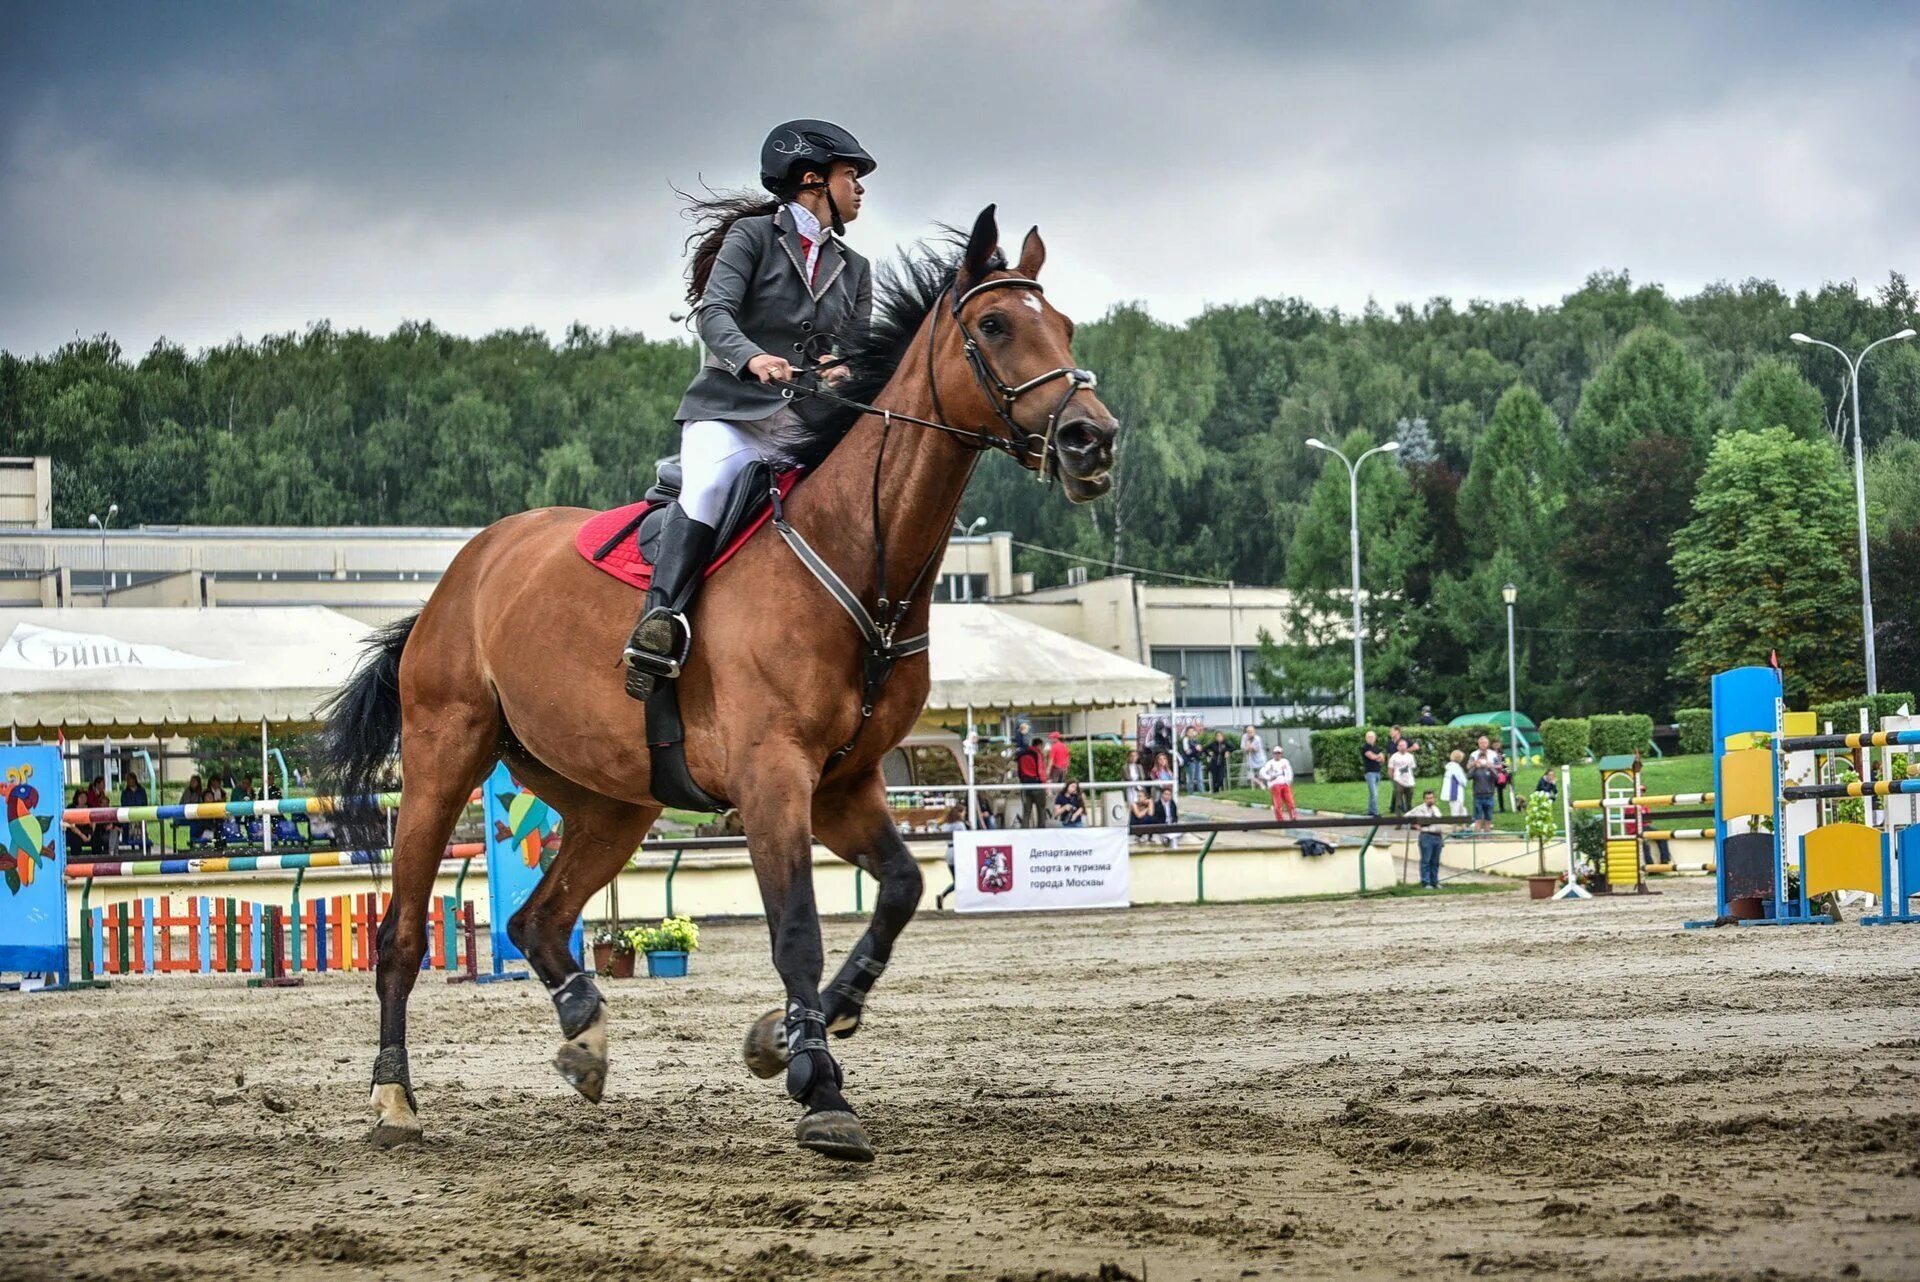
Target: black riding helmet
(809, 144)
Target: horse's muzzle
(1085, 447)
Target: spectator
(1217, 754)
(1139, 815)
(1163, 735)
(1483, 750)
(1162, 771)
(1503, 782)
(1070, 808)
(954, 822)
(133, 793)
(1372, 762)
(1426, 716)
(1403, 767)
(1481, 771)
(1133, 774)
(1548, 786)
(1454, 787)
(1059, 755)
(1167, 811)
(1395, 737)
(1635, 821)
(245, 792)
(106, 837)
(192, 795)
(1032, 771)
(217, 796)
(1430, 842)
(1253, 752)
(80, 836)
(1191, 755)
(1276, 776)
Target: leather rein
(883, 652)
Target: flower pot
(602, 956)
(1746, 908)
(620, 966)
(1542, 887)
(667, 965)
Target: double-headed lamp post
(1860, 489)
(1509, 594)
(1353, 530)
(93, 519)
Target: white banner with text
(1013, 869)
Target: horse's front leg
(775, 810)
(857, 825)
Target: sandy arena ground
(1462, 1086)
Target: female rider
(771, 283)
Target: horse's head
(1013, 349)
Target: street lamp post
(1860, 489)
(1509, 594)
(1353, 531)
(113, 510)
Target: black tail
(362, 733)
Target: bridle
(878, 627)
(1036, 449)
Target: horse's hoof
(835, 1134)
(583, 1060)
(395, 1122)
(766, 1047)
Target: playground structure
(1778, 841)
(1624, 802)
(211, 935)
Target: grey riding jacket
(758, 299)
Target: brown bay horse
(514, 657)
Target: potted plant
(604, 938)
(620, 964)
(666, 945)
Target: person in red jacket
(1030, 767)
(1058, 755)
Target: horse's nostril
(1080, 436)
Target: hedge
(1336, 753)
(1110, 757)
(1619, 734)
(1845, 713)
(1563, 740)
(1696, 729)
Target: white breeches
(712, 454)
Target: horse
(514, 657)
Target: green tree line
(1658, 476)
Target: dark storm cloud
(201, 171)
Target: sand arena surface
(1460, 1086)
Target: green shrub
(1563, 740)
(1696, 730)
(1336, 754)
(1619, 734)
(1845, 713)
(1110, 757)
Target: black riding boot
(660, 640)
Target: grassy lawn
(1660, 775)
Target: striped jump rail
(205, 935)
(232, 809)
(1875, 739)
(252, 863)
(1659, 801)
(1677, 834)
(1824, 791)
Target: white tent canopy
(141, 671)
(986, 659)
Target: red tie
(806, 247)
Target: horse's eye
(992, 325)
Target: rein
(883, 652)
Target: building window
(1248, 657)
(1209, 673)
(961, 587)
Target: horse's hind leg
(855, 824)
(444, 754)
(597, 835)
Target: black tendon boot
(661, 638)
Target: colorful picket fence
(205, 935)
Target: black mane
(904, 292)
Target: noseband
(1000, 395)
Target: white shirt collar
(804, 222)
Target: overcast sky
(210, 170)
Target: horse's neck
(922, 478)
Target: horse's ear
(1033, 254)
(981, 245)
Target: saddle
(621, 541)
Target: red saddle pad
(624, 561)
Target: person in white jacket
(1454, 788)
(1276, 776)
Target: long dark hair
(712, 216)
